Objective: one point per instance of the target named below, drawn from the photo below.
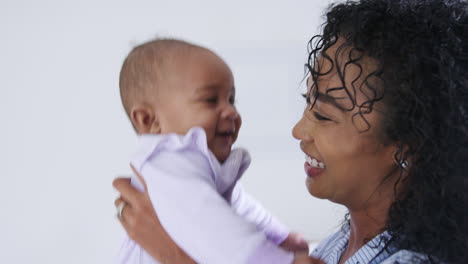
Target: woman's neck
(366, 223)
(364, 227)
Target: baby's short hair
(144, 67)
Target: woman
(385, 131)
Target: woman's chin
(314, 189)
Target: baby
(180, 99)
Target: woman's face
(346, 161)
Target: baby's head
(170, 86)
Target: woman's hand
(303, 258)
(295, 243)
(142, 224)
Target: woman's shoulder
(331, 248)
(333, 242)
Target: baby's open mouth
(225, 133)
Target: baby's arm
(197, 218)
(246, 206)
(249, 208)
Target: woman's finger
(126, 217)
(118, 201)
(121, 206)
(121, 180)
(128, 179)
(127, 191)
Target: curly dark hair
(421, 47)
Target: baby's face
(202, 94)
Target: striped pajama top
(374, 252)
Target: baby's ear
(144, 120)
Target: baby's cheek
(238, 122)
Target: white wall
(64, 135)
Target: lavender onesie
(201, 205)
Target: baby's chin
(222, 156)
(221, 148)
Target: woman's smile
(313, 167)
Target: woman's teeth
(314, 163)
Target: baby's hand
(295, 243)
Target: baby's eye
(232, 100)
(321, 117)
(212, 100)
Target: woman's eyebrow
(328, 99)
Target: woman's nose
(301, 132)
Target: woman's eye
(321, 117)
(232, 100)
(307, 97)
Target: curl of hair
(422, 80)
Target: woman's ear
(400, 155)
(144, 120)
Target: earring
(403, 164)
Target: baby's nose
(230, 112)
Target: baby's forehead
(200, 71)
